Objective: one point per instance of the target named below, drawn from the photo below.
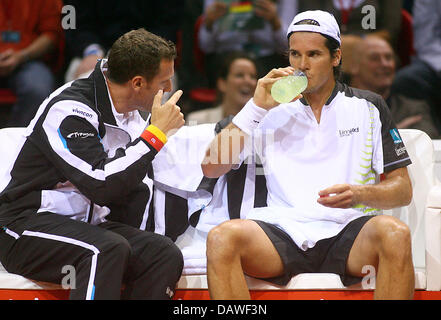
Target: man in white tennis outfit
(323, 155)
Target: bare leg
(236, 247)
(384, 242)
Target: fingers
(171, 101)
(158, 98)
(337, 196)
(300, 96)
(280, 72)
(6, 54)
(338, 188)
(276, 74)
(175, 97)
(267, 81)
(342, 200)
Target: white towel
(193, 246)
(178, 164)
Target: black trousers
(108, 261)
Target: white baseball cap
(315, 21)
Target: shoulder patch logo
(395, 136)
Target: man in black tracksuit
(83, 166)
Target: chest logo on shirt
(348, 132)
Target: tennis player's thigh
(259, 257)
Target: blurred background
(391, 47)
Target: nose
(386, 61)
(303, 63)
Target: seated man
(321, 155)
(81, 181)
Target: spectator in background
(30, 32)
(264, 37)
(235, 83)
(373, 69)
(350, 14)
(101, 22)
(422, 78)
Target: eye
(293, 53)
(375, 57)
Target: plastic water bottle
(289, 87)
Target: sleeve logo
(81, 135)
(395, 136)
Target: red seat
(201, 95)
(405, 39)
(7, 97)
(204, 95)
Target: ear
(138, 82)
(221, 85)
(336, 58)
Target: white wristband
(249, 117)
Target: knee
(394, 239)
(116, 247)
(224, 240)
(166, 254)
(173, 256)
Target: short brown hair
(138, 52)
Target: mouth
(246, 92)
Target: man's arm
(42, 45)
(394, 191)
(226, 147)
(69, 136)
(11, 59)
(223, 152)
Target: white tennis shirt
(355, 141)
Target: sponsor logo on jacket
(81, 135)
(83, 113)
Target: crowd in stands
(390, 47)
